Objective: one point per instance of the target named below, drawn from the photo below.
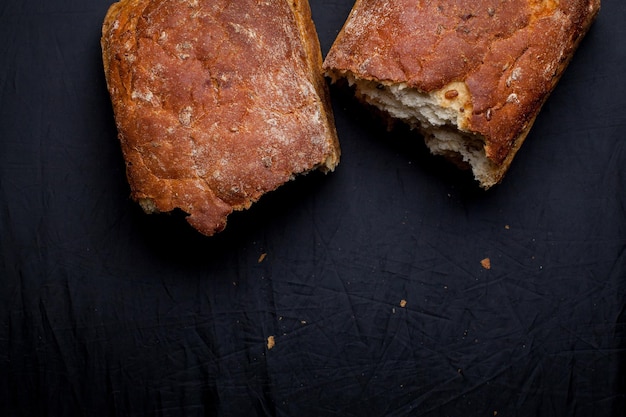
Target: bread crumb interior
(440, 116)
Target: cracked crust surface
(216, 102)
(508, 53)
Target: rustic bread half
(470, 75)
(216, 102)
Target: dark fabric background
(106, 311)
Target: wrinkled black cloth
(367, 281)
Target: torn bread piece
(472, 76)
(216, 102)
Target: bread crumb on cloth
(486, 263)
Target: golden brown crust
(510, 54)
(216, 102)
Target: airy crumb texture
(471, 76)
(216, 102)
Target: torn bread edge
(441, 116)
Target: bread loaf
(471, 75)
(216, 102)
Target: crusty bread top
(509, 55)
(216, 102)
